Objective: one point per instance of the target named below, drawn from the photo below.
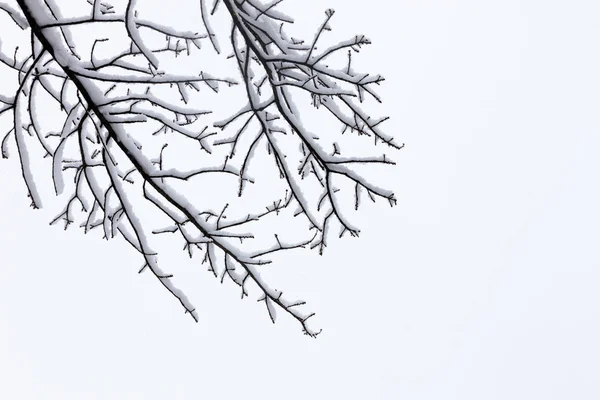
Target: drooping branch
(136, 132)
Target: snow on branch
(253, 146)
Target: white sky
(481, 284)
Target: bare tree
(224, 131)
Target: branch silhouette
(198, 124)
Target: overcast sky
(481, 284)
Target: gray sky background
(481, 284)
